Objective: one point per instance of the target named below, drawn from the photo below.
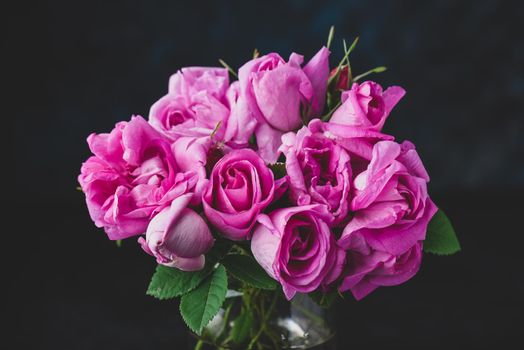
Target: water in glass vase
(257, 319)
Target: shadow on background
(79, 68)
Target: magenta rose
(369, 269)
(319, 171)
(178, 236)
(358, 142)
(391, 213)
(132, 176)
(296, 247)
(240, 187)
(366, 105)
(279, 94)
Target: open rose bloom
(288, 167)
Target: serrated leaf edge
(155, 293)
(204, 323)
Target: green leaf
(118, 243)
(242, 327)
(440, 237)
(246, 269)
(278, 169)
(168, 282)
(200, 305)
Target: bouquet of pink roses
(280, 181)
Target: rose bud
(342, 82)
(178, 237)
(366, 105)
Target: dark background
(78, 67)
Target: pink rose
(178, 237)
(296, 247)
(176, 116)
(366, 106)
(201, 103)
(319, 171)
(369, 269)
(195, 104)
(132, 176)
(279, 94)
(191, 80)
(358, 142)
(240, 187)
(391, 213)
(240, 124)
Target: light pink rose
(195, 104)
(201, 103)
(391, 210)
(296, 247)
(132, 176)
(319, 171)
(280, 94)
(191, 80)
(240, 187)
(366, 106)
(198, 116)
(178, 237)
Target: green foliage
(200, 305)
(440, 237)
(168, 282)
(246, 269)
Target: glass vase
(257, 319)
